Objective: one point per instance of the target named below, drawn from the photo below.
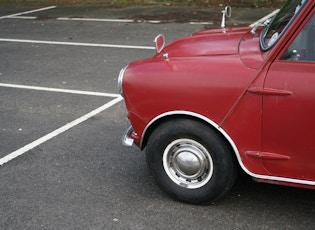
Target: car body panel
(149, 102)
(202, 44)
(262, 105)
(282, 133)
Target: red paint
(264, 105)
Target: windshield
(273, 32)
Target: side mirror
(227, 12)
(295, 55)
(159, 43)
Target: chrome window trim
(229, 139)
(266, 47)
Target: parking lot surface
(62, 164)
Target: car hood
(207, 43)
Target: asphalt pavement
(62, 164)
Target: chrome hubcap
(188, 163)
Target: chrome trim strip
(228, 138)
(159, 48)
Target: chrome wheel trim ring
(188, 163)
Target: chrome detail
(227, 12)
(120, 80)
(165, 55)
(178, 112)
(188, 163)
(127, 140)
(262, 20)
(159, 41)
(295, 56)
(230, 141)
(255, 27)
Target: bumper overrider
(127, 140)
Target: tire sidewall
(223, 165)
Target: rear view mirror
(226, 12)
(159, 43)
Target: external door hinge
(269, 91)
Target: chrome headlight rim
(120, 80)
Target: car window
(273, 32)
(303, 47)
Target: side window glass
(303, 47)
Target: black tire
(191, 161)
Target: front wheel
(191, 161)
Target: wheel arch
(190, 115)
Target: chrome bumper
(127, 140)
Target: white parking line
(76, 44)
(28, 12)
(83, 19)
(24, 17)
(96, 19)
(117, 97)
(107, 20)
(55, 133)
(59, 90)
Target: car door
(288, 133)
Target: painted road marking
(76, 44)
(107, 20)
(55, 133)
(58, 90)
(96, 19)
(117, 98)
(28, 12)
(24, 17)
(79, 19)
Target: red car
(219, 100)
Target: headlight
(120, 80)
